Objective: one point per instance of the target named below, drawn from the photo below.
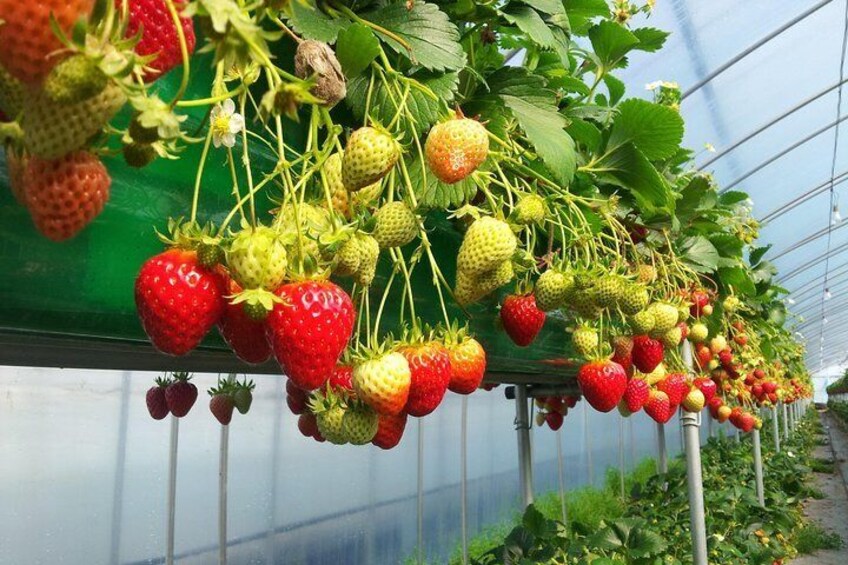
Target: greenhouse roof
(763, 104)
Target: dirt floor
(831, 513)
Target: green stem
(175, 18)
(196, 196)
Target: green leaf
(732, 197)
(534, 521)
(312, 23)
(727, 245)
(581, 12)
(546, 6)
(531, 23)
(611, 42)
(424, 109)
(645, 543)
(654, 129)
(700, 254)
(632, 170)
(432, 38)
(615, 87)
(434, 193)
(650, 39)
(585, 133)
(757, 254)
(692, 198)
(545, 129)
(356, 48)
(738, 278)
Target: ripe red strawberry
(706, 386)
(747, 422)
(468, 365)
(430, 369)
(156, 404)
(454, 149)
(759, 373)
(307, 425)
(769, 387)
(725, 357)
(296, 398)
(180, 395)
(64, 195)
(221, 405)
(178, 300)
(676, 386)
(636, 394)
(27, 38)
(699, 299)
(623, 352)
(160, 36)
(521, 319)
(554, 420)
(603, 383)
(341, 380)
(647, 353)
(703, 356)
(245, 336)
(389, 430)
(658, 407)
(309, 330)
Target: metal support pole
(172, 491)
(420, 526)
(463, 484)
(525, 457)
(561, 468)
(621, 456)
(758, 467)
(736, 435)
(222, 495)
(662, 456)
(694, 481)
(775, 428)
(587, 439)
(785, 421)
(710, 432)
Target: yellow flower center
(220, 125)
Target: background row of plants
(650, 526)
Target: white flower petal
(216, 141)
(229, 106)
(228, 139)
(236, 123)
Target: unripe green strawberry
(671, 338)
(209, 254)
(332, 175)
(487, 244)
(369, 156)
(642, 322)
(314, 221)
(698, 333)
(731, 304)
(585, 340)
(694, 401)
(646, 274)
(359, 424)
(368, 197)
(383, 382)
(471, 289)
(138, 155)
(551, 289)
(329, 415)
(582, 301)
(608, 289)
(682, 313)
(530, 209)
(396, 225)
(141, 134)
(665, 316)
(74, 79)
(633, 299)
(257, 258)
(369, 254)
(52, 130)
(12, 94)
(348, 258)
(454, 149)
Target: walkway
(831, 512)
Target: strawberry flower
(225, 123)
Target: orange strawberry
(468, 365)
(389, 430)
(26, 39)
(66, 194)
(454, 149)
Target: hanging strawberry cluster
(388, 155)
